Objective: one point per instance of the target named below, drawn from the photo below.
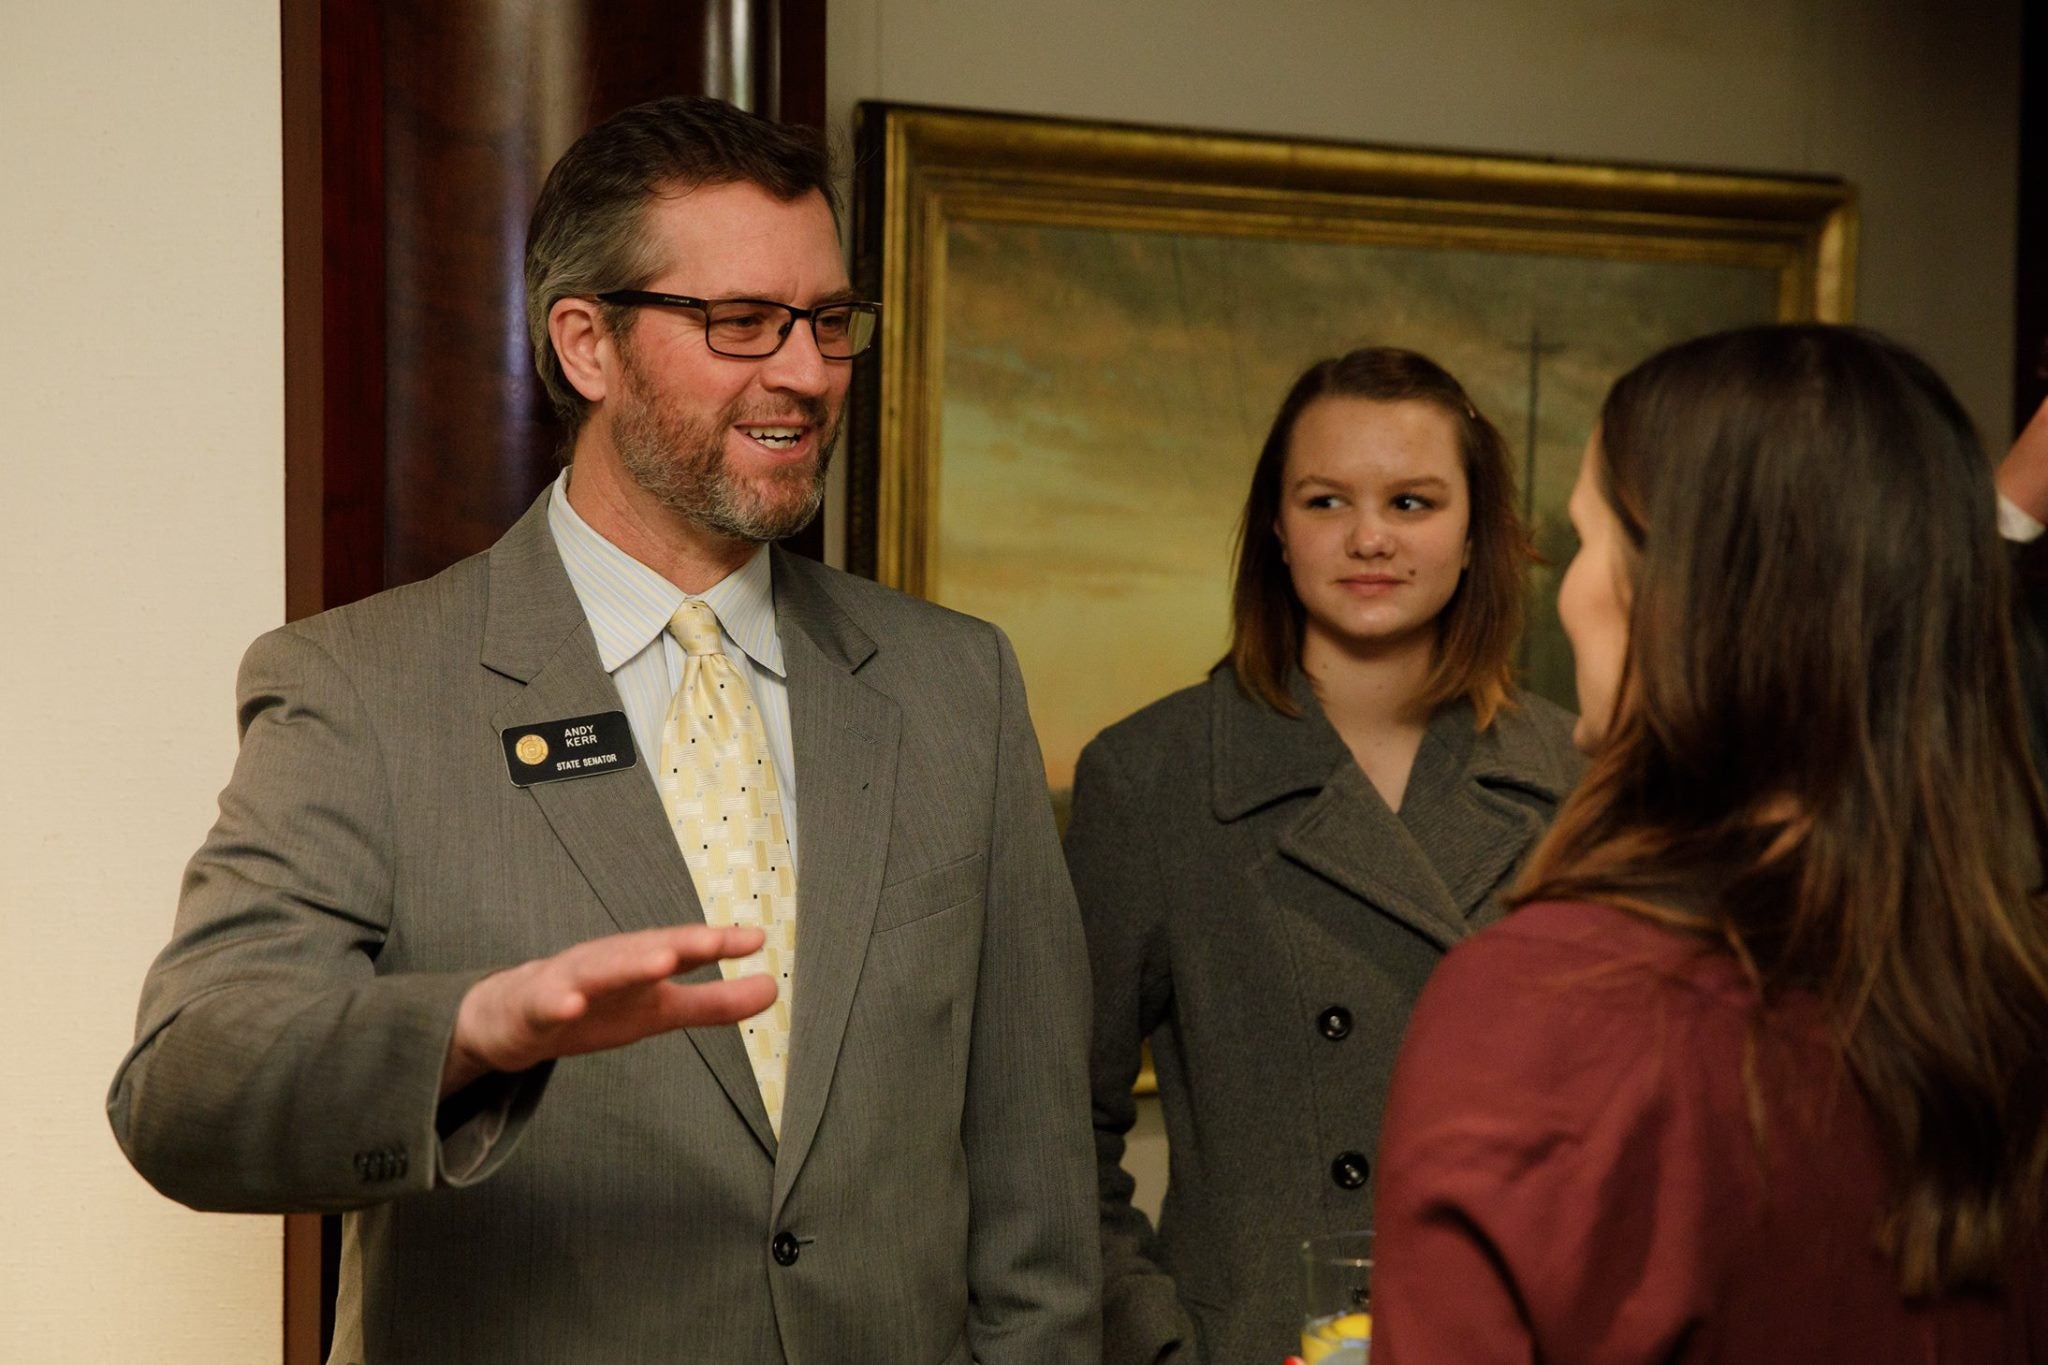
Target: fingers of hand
(622, 960)
(631, 1013)
(701, 943)
(718, 1002)
(608, 992)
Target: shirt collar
(629, 605)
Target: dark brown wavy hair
(1478, 627)
(1818, 753)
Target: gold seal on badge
(531, 749)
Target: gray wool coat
(1256, 911)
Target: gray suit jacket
(1256, 911)
(373, 858)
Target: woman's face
(1593, 601)
(1373, 520)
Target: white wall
(1914, 101)
(143, 491)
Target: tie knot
(695, 627)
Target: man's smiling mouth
(775, 438)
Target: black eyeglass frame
(646, 298)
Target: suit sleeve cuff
(479, 1125)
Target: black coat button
(783, 1248)
(1335, 1022)
(1350, 1170)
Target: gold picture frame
(1086, 328)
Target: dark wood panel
(466, 429)
(332, 91)
(863, 433)
(353, 290)
(2030, 314)
(797, 90)
(2030, 341)
(299, 88)
(799, 63)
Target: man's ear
(581, 344)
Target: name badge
(581, 746)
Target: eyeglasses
(753, 329)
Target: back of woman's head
(1818, 752)
(1819, 596)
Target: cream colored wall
(1914, 101)
(143, 547)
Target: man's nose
(798, 367)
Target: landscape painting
(1085, 374)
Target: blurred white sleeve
(2014, 523)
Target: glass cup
(1336, 1325)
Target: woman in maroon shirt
(1758, 1071)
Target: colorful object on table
(1345, 1339)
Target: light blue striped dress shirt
(629, 606)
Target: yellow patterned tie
(718, 783)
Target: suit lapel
(845, 735)
(612, 825)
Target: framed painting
(1087, 329)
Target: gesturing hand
(601, 994)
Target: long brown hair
(1478, 627)
(1818, 753)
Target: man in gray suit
(444, 964)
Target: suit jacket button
(1335, 1023)
(1350, 1169)
(783, 1248)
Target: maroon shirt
(1568, 1172)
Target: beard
(680, 460)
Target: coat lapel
(1432, 865)
(1459, 812)
(1348, 836)
(612, 825)
(845, 735)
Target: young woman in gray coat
(1270, 863)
